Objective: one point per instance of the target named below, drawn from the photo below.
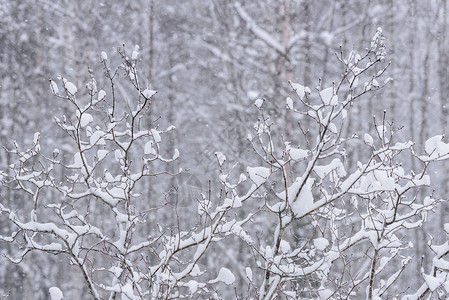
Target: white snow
(111, 126)
(242, 177)
(433, 282)
(86, 119)
(54, 87)
(55, 293)
(325, 293)
(321, 243)
(328, 97)
(104, 56)
(221, 158)
(375, 39)
(304, 203)
(102, 154)
(284, 246)
(77, 161)
(135, 54)
(127, 291)
(36, 138)
(299, 89)
(428, 201)
(193, 286)
(156, 135)
(307, 90)
(258, 175)
(101, 95)
(71, 88)
(148, 93)
(258, 103)
(432, 144)
(97, 138)
(149, 149)
(118, 155)
(368, 139)
(249, 273)
(289, 102)
(225, 275)
(108, 176)
(335, 169)
(298, 154)
(435, 147)
(332, 128)
(378, 180)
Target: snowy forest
(206, 149)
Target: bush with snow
(336, 232)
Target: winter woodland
(288, 149)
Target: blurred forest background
(209, 61)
